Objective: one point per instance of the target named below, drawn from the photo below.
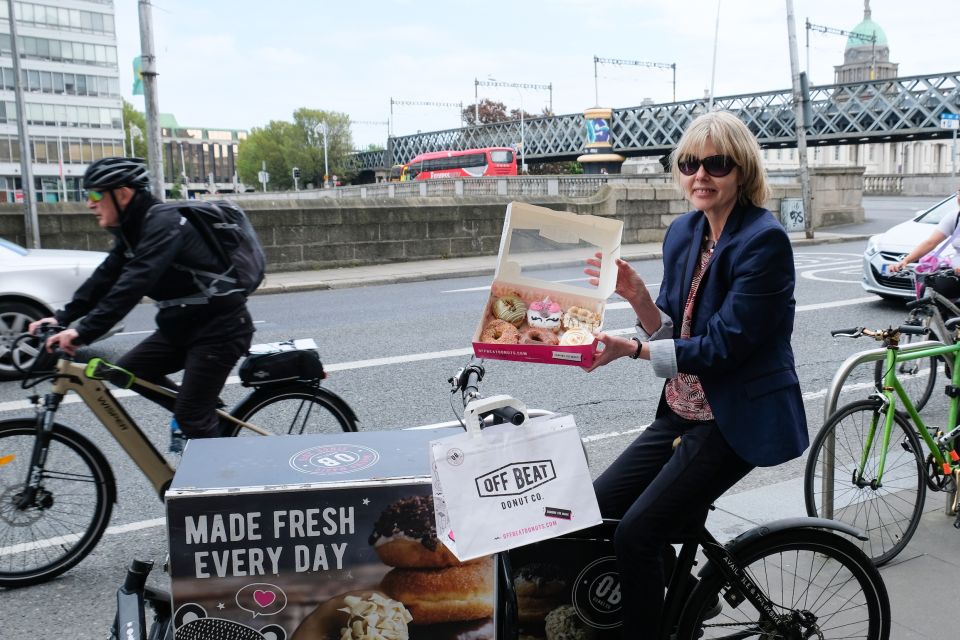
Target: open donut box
(534, 239)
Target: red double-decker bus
(470, 163)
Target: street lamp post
(134, 131)
(523, 146)
(322, 127)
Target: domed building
(865, 58)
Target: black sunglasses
(716, 166)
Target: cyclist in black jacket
(202, 336)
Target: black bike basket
(946, 284)
(283, 366)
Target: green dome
(866, 27)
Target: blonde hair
(731, 138)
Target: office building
(70, 76)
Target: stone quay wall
(328, 233)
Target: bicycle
(57, 489)
(130, 621)
(866, 465)
(919, 376)
(793, 578)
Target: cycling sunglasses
(717, 166)
(94, 196)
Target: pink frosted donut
(544, 314)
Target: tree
(133, 117)
(284, 145)
(490, 111)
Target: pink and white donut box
(542, 237)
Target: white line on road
(20, 405)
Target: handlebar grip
(509, 414)
(847, 332)
(913, 330)
(471, 388)
(913, 304)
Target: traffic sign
(263, 176)
(949, 121)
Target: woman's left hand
(614, 347)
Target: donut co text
(515, 479)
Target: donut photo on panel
(447, 599)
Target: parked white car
(33, 284)
(891, 246)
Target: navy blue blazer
(742, 323)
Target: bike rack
(830, 405)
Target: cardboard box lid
(221, 465)
(536, 237)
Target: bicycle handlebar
(467, 381)
(880, 334)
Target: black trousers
(659, 494)
(206, 363)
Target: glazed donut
(500, 332)
(349, 616)
(444, 595)
(510, 308)
(405, 535)
(576, 337)
(544, 314)
(580, 318)
(539, 336)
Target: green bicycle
(867, 465)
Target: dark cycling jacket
(148, 243)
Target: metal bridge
(886, 110)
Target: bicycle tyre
(817, 573)
(294, 408)
(918, 377)
(888, 514)
(76, 473)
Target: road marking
(20, 405)
(140, 333)
(71, 538)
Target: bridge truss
(893, 109)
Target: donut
(538, 336)
(452, 594)
(539, 580)
(355, 615)
(580, 318)
(576, 337)
(510, 308)
(405, 535)
(500, 332)
(563, 623)
(544, 314)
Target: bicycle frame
(72, 376)
(893, 390)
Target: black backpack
(227, 231)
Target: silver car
(33, 284)
(891, 246)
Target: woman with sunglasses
(719, 333)
(154, 248)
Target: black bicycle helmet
(113, 173)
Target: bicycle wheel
(69, 513)
(295, 408)
(889, 513)
(820, 584)
(918, 377)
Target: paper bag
(508, 486)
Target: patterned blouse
(684, 393)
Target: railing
(884, 184)
(577, 186)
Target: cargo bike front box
(312, 537)
(534, 239)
